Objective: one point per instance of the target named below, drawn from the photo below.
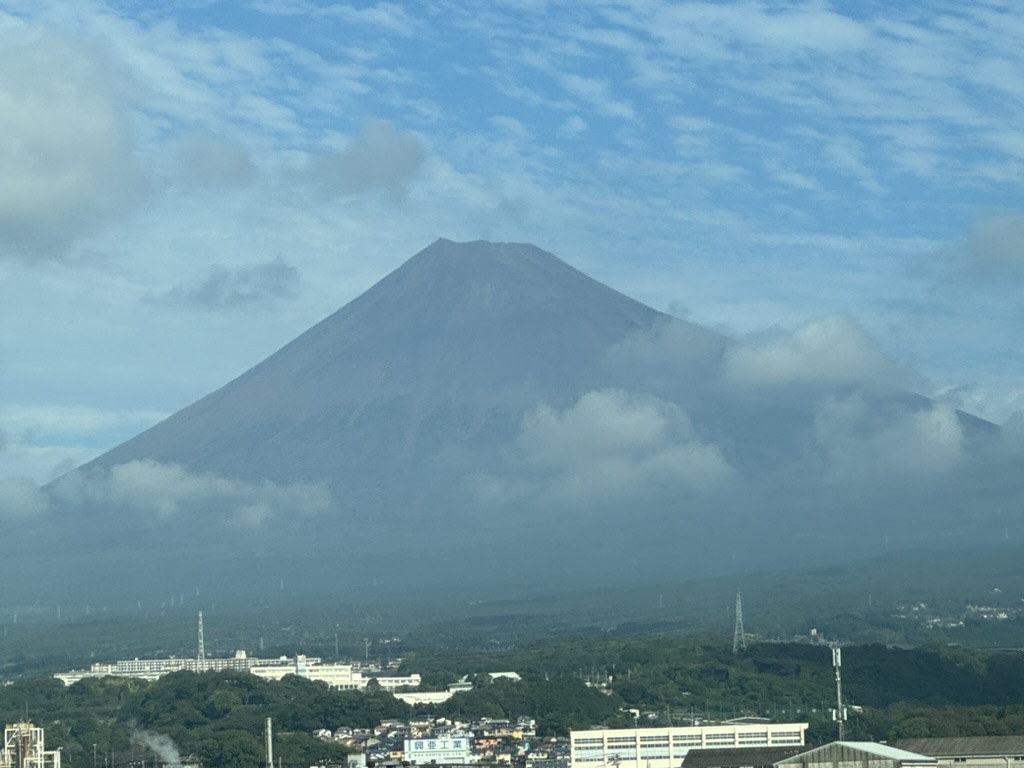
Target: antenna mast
(840, 712)
(201, 658)
(739, 637)
(268, 745)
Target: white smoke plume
(160, 745)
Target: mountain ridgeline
(488, 413)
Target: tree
(230, 749)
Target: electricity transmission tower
(739, 637)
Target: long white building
(153, 669)
(344, 677)
(666, 747)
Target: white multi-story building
(424, 697)
(666, 747)
(344, 677)
(340, 676)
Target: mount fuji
(488, 411)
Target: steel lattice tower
(739, 637)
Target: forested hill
(702, 673)
(568, 683)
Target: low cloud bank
(829, 352)
(161, 493)
(21, 498)
(814, 419)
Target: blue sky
(189, 185)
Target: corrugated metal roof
(884, 751)
(965, 746)
(738, 757)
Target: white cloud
(67, 148)
(847, 156)
(862, 442)
(206, 161)
(833, 351)
(573, 126)
(159, 492)
(20, 498)
(611, 445)
(597, 94)
(673, 359)
(379, 158)
(72, 420)
(995, 244)
(388, 16)
(44, 442)
(224, 288)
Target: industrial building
(857, 754)
(969, 751)
(666, 747)
(738, 757)
(25, 747)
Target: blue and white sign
(437, 751)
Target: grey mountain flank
(455, 344)
(490, 402)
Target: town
(371, 714)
